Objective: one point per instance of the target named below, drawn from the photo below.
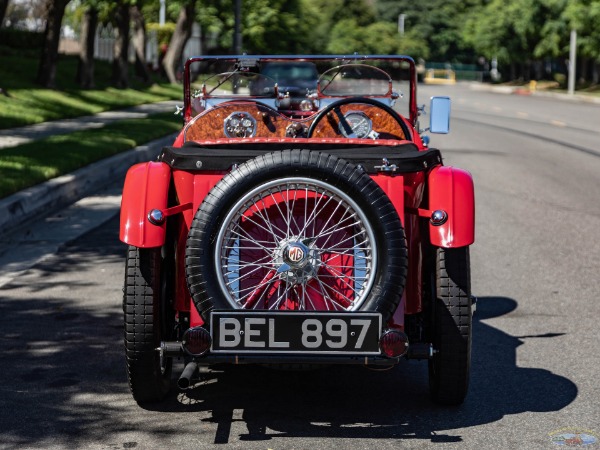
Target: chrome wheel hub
(296, 261)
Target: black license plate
(295, 332)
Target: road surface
(535, 270)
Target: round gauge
(239, 125)
(358, 122)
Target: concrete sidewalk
(35, 203)
(15, 136)
(41, 200)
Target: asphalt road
(535, 269)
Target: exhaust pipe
(186, 377)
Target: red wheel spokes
(260, 289)
(331, 233)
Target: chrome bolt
(439, 217)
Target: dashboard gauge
(360, 124)
(239, 125)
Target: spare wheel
(296, 230)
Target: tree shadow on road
(63, 380)
(353, 402)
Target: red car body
(162, 201)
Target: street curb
(20, 208)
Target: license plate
(295, 332)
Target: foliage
(163, 32)
(275, 26)
(522, 31)
(584, 17)
(268, 26)
(382, 38)
(516, 32)
(434, 24)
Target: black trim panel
(192, 156)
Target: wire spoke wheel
(296, 243)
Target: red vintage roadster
(299, 223)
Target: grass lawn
(27, 103)
(28, 164)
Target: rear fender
(146, 188)
(451, 190)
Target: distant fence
(105, 41)
(104, 45)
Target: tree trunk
(583, 71)
(120, 71)
(139, 43)
(3, 7)
(85, 69)
(183, 31)
(55, 10)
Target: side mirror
(439, 115)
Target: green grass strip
(29, 106)
(28, 164)
(27, 103)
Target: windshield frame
(251, 60)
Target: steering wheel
(335, 106)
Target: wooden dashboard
(250, 119)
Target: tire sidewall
(149, 380)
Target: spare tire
(296, 230)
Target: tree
(55, 10)
(139, 43)
(520, 33)
(85, 68)
(275, 26)
(348, 37)
(331, 13)
(3, 7)
(493, 32)
(584, 16)
(120, 70)
(183, 31)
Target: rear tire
(451, 317)
(148, 321)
